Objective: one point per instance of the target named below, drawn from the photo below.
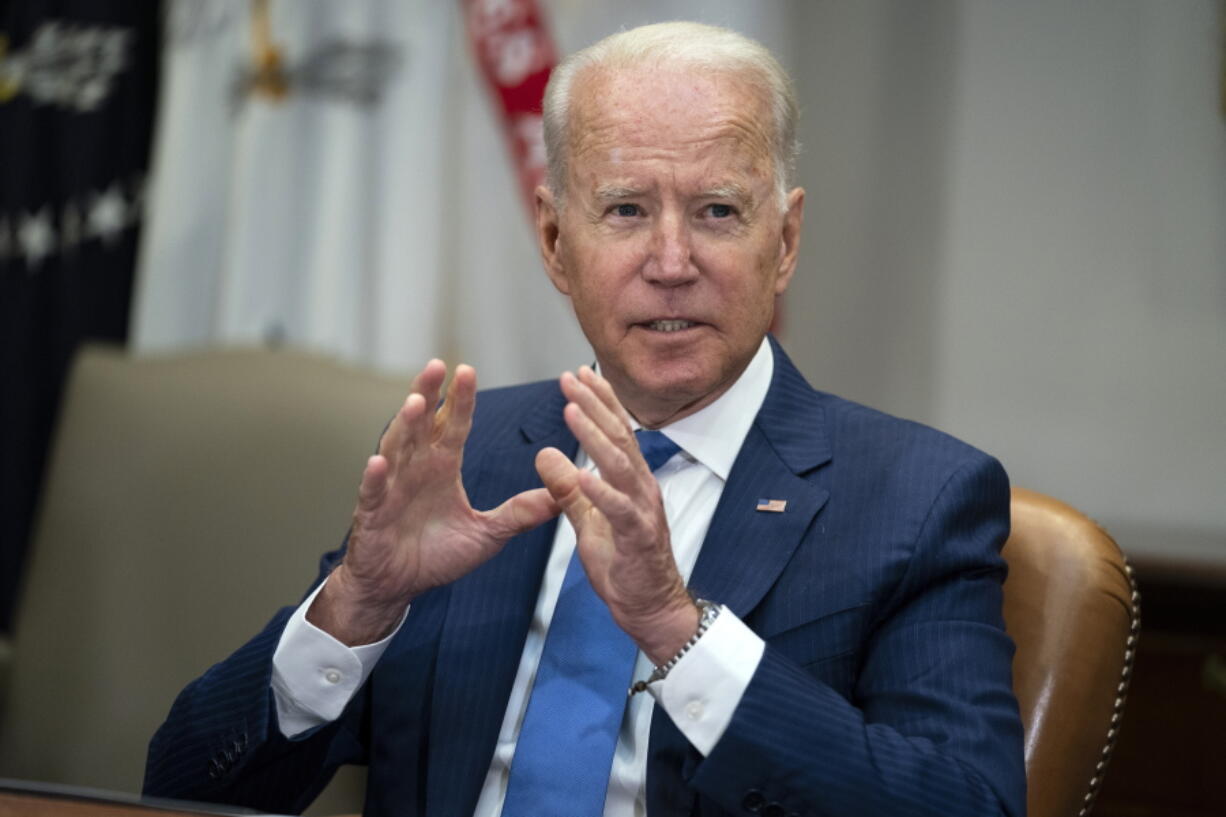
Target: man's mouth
(672, 325)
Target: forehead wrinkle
(617, 134)
(622, 141)
(744, 131)
(737, 114)
(711, 169)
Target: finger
(432, 372)
(522, 513)
(627, 517)
(427, 386)
(456, 416)
(611, 420)
(608, 415)
(402, 438)
(621, 465)
(399, 432)
(604, 390)
(394, 435)
(561, 479)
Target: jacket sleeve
(931, 726)
(221, 742)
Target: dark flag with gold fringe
(78, 83)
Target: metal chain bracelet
(708, 612)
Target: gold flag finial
(1222, 26)
(8, 84)
(268, 74)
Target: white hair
(681, 44)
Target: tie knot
(656, 447)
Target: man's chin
(668, 392)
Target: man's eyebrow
(612, 192)
(732, 190)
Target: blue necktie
(565, 747)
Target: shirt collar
(713, 434)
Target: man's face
(671, 241)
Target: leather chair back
(187, 498)
(1072, 608)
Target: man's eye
(626, 210)
(720, 210)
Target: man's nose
(671, 261)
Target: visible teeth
(670, 326)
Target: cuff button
(754, 801)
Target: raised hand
(623, 536)
(413, 527)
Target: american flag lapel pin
(772, 505)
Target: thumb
(522, 512)
(373, 487)
(561, 479)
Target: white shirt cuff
(704, 689)
(314, 676)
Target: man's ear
(789, 240)
(549, 238)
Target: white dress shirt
(315, 676)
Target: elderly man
(805, 592)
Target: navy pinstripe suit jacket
(884, 689)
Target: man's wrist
(707, 613)
(348, 617)
(661, 635)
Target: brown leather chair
(1072, 607)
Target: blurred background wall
(1020, 225)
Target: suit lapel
(488, 616)
(746, 549)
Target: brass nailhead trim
(1117, 709)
